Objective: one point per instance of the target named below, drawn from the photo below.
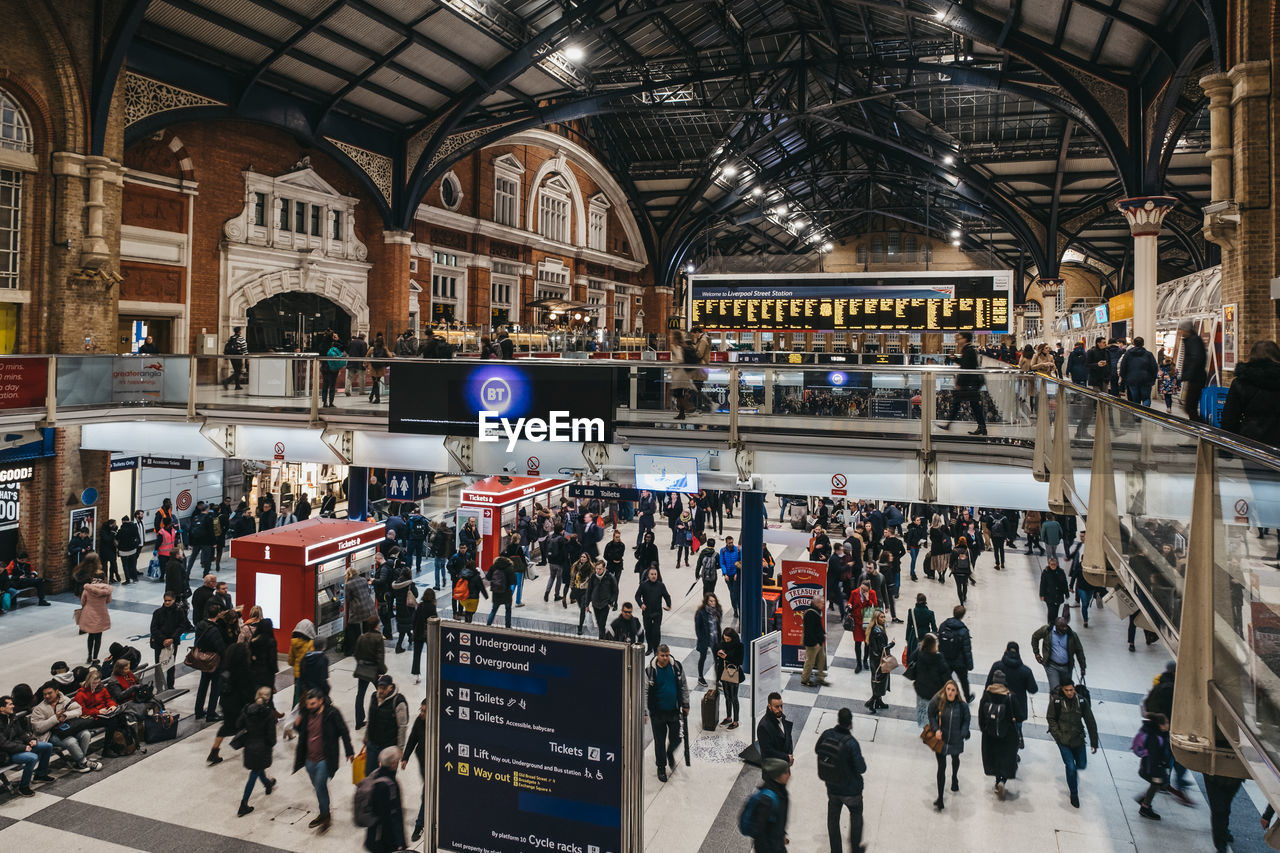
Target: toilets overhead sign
(508, 403)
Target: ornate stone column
(1145, 214)
(1049, 288)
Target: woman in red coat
(862, 604)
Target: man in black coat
(1053, 589)
(773, 733)
(815, 644)
(320, 756)
(653, 598)
(1020, 680)
(1138, 370)
(1195, 358)
(1097, 363)
(602, 596)
(845, 790)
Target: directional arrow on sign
(449, 710)
(448, 765)
(449, 747)
(610, 756)
(542, 650)
(448, 691)
(449, 654)
(452, 636)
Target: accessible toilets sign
(538, 743)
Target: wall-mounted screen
(666, 473)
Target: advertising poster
(23, 383)
(85, 517)
(801, 581)
(1230, 336)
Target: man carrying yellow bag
(318, 729)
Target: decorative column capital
(1145, 214)
(1049, 287)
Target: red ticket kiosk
(495, 504)
(297, 572)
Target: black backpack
(830, 745)
(950, 645)
(203, 527)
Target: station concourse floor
(169, 799)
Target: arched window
(15, 136)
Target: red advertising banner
(801, 581)
(24, 383)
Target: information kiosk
(495, 504)
(297, 572)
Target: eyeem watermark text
(561, 427)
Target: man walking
(387, 723)
(1058, 650)
(236, 345)
(815, 643)
(1053, 588)
(602, 595)
(357, 348)
(653, 598)
(1069, 716)
(386, 832)
(1138, 370)
(318, 729)
(730, 567)
(773, 733)
(840, 766)
(968, 386)
(666, 698)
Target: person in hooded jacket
(1069, 717)
(930, 671)
(1252, 408)
(1160, 701)
(258, 723)
(1077, 365)
(94, 617)
(999, 727)
(956, 645)
(1019, 679)
(949, 716)
(302, 641)
(1138, 371)
(1153, 739)
(265, 660)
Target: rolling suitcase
(710, 709)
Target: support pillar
(389, 286)
(1049, 289)
(752, 544)
(1145, 215)
(357, 492)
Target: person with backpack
(1058, 650)
(330, 368)
(949, 718)
(387, 720)
(998, 525)
(460, 560)
(840, 766)
(707, 565)
(419, 529)
(1020, 680)
(763, 818)
(202, 539)
(1068, 718)
(999, 729)
(467, 592)
(666, 698)
(920, 621)
(1151, 745)
(257, 724)
(961, 568)
(956, 646)
(929, 671)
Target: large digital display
(446, 398)
(837, 302)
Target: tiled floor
(170, 800)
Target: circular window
(451, 191)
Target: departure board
(910, 302)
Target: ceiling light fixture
(948, 159)
(574, 53)
(939, 15)
(827, 247)
(730, 170)
(955, 243)
(577, 316)
(689, 268)
(955, 233)
(757, 192)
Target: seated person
(95, 701)
(58, 720)
(19, 745)
(119, 651)
(21, 576)
(64, 678)
(24, 698)
(125, 690)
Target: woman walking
(930, 672)
(426, 610)
(302, 641)
(258, 726)
(647, 555)
(949, 717)
(682, 536)
(862, 603)
(999, 727)
(706, 627)
(360, 607)
(939, 549)
(877, 644)
(729, 673)
(238, 689)
(920, 621)
(402, 593)
(94, 617)
(371, 661)
(377, 367)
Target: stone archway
(347, 295)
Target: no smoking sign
(838, 483)
(532, 464)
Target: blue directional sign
(400, 485)
(532, 734)
(422, 485)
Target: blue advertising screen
(435, 398)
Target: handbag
(888, 663)
(366, 670)
(162, 725)
(731, 674)
(75, 615)
(199, 659)
(357, 768)
(932, 738)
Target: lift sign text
(561, 427)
